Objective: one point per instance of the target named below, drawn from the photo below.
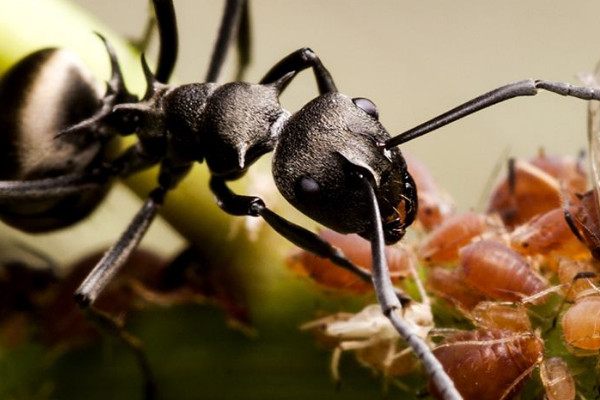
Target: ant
(333, 160)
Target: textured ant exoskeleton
(58, 127)
(332, 160)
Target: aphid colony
(519, 281)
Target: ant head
(321, 149)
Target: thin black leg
(229, 28)
(136, 158)
(119, 253)
(244, 42)
(168, 40)
(390, 304)
(298, 61)
(49, 187)
(527, 87)
(253, 206)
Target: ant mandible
(333, 161)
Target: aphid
(372, 337)
(401, 262)
(450, 284)
(499, 272)
(526, 192)
(434, 205)
(370, 334)
(569, 171)
(547, 235)
(576, 276)
(580, 325)
(557, 379)
(496, 315)
(489, 363)
(441, 246)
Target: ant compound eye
(308, 191)
(367, 106)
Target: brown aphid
(434, 205)
(548, 235)
(499, 272)
(489, 364)
(581, 325)
(569, 171)
(449, 284)
(557, 379)
(584, 219)
(576, 276)
(401, 262)
(441, 246)
(526, 192)
(495, 315)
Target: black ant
(333, 160)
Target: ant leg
(112, 327)
(168, 40)
(244, 42)
(231, 22)
(132, 160)
(240, 205)
(49, 187)
(119, 252)
(298, 61)
(389, 303)
(528, 87)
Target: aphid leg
(107, 324)
(239, 205)
(168, 40)
(389, 303)
(345, 346)
(528, 87)
(235, 16)
(300, 60)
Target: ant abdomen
(45, 93)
